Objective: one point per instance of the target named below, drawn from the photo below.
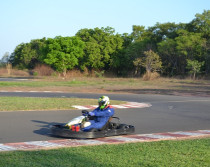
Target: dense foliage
(175, 49)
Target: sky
(24, 20)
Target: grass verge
(42, 83)
(190, 153)
(35, 103)
(109, 85)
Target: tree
(138, 32)
(163, 31)
(135, 53)
(27, 55)
(170, 59)
(4, 62)
(120, 62)
(100, 45)
(190, 46)
(16, 56)
(194, 66)
(151, 62)
(142, 41)
(103, 49)
(5, 58)
(64, 53)
(201, 24)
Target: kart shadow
(44, 127)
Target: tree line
(169, 48)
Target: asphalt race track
(167, 114)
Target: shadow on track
(44, 127)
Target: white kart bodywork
(78, 120)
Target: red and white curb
(122, 106)
(50, 144)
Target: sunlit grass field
(91, 84)
(38, 103)
(186, 153)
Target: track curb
(53, 144)
(121, 106)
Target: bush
(43, 70)
(35, 73)
(74, 73)
(150, 76)
(13, 72)
(99, 74)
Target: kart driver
(101, 114)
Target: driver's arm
(106, 113)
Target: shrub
(150, 76)
(43, 70)
(99, 74)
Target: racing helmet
(103, 101)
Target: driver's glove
(85, 113)
(91, 114)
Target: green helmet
(103, 101)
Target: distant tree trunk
(64, 72)
(194, 75)
(9, 67)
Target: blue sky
(24, 20)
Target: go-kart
(73, 129)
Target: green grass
(187, 153)
(35, 103)
(69, 83)
(41, 83)
(165, 86)
(108, 83)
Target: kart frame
(111, 129)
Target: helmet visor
(101, 103)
